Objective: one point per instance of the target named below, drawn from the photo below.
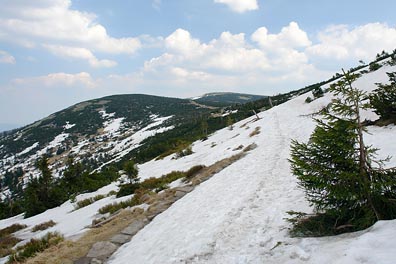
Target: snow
(68, 125)
(113, 126)
(70, 222)
(54, 143)
(238, 216)
(28, 149)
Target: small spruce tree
(131, 171)
(335, 166)
(383, 99)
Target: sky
(56, 53)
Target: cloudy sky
(55, 53)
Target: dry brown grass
(68, 251)
(256, 131)
(43, 226)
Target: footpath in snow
(238, 216)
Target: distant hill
(226, 99)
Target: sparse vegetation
(255, 132)
(43, 226)
(185, 152)
(11, 229)
(34, 246)
(114, 207)
(88, 201)
(7, 240)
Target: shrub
(256, 131)
(193, 171)
(308, 100)
(317, 92)
(184, 152)
(34, 246)
(127, 189)
(88, 201)
(161, 183)
(114, 207)
(11, 229)
(6, 245)
(374, 66)
(43, 226)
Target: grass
(6, 245)
(33, 247)
(114, 207)
(11, 229)
(7, 240)
(43, 226)
(88, 201)
(255, 132)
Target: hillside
(239, 215)
(95, 132)
(226, 99)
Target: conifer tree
(131, 171)
(335, 166)
(383, 99)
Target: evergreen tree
(335, 167)
(131, 171)
(230, 122)
(383, 99)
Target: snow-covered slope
(238, 216)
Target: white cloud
(289, 37)
(56, 79)
(6, 58)
(341, 42)
(54, 22)
(240, 6)
(79, 53)
(272, 62)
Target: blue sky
(55, 53)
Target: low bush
(43, 226)
(317, 225)
(255, 132)
(6, 245)
(33, 247)
(114, 207)
(184, 152)
(11, 229)
(127, 189)
(88, 201)
(193, 171)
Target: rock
(83, 260)
(158, 208)
(181, 191)
(102, 250)
(96, 261)
(185, 189)
(133, 228)
(120, 239)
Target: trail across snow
(238, 216)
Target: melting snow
(68, 126)
(28, 149)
